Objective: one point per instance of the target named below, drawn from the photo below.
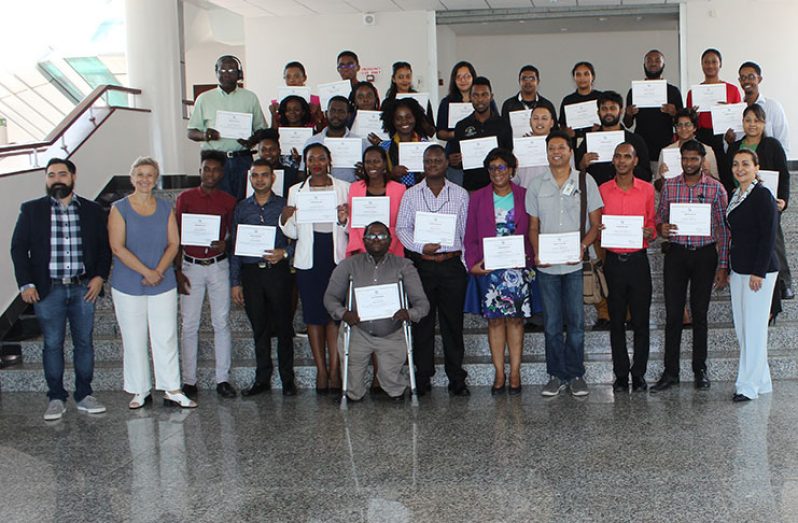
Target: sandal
(178, 400)
(139, 400)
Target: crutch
(409, 341)
(347, 336)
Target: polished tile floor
(679, 456)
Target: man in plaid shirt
(61, 259)
(702, 261)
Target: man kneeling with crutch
(376, 315)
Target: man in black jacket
(61, 259)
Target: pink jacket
(394, 191)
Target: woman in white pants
(144, 239)
(753, 221)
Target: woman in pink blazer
(375, 181)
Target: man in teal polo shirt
(231, 98)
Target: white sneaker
(91, 405)
(553, 387)
(55, 409)
(579, 387)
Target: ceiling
(254, 8)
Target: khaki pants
(391, 353)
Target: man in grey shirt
(553, 204)
(382, 337)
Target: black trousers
(267, 300)
(696, 268)
(629, 283)
(445, 286)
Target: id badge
(569, 188)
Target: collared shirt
(197, 201)
(557, 208)
(239, 101)
(66, 243)
(776, 124)
(365, 272)
(603, 172)
(655, 126)
(346, 174)
(638, 200)
(249, 212)
(470, 128)
(452, 199)
(707, 190)
(517, 103)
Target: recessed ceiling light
(563, 29)
(522, 21)
(638, 18)
(602, 18)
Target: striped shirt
(707, 190)
(66, 243)
(452, 199)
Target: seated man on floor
(383, 337)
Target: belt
(263, 264)
(625, 256)
(74, 280)
(442, 257)
(243, 152)
(204, 261)
(691, 248)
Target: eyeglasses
(228, 70)
(684, 124)
(498, 169)
(350, 65)
(750, 77)
(372, 237)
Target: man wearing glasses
(348, 66)
(227, 98)
(380, 336)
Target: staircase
(722, 362)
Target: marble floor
(679, 456)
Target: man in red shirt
(206, 267)
(626, 266)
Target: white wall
(617, 57)
(758, 30)
(209, 34)
(316, 41)
(447, 56)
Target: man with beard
(610, 108)
(483, 122)
(654, 124)
(337, 114)
(61, 259)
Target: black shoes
(701, 380)
(739, 398)
(601, 325)
(190, 391)
(639, 384)
(423, 387)
(256, 388)
(459, 389)
(787, 293)
(665, 382)
(620, 386)
(225, 390)
(289, 389)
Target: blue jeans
(235, 176)
(65, 302)
(562, 300)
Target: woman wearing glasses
(685, 123)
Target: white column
(154, 66)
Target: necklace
(427, 205)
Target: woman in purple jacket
(504, 296)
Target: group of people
(316, 261)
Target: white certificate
(770, 179)
(475, 150)
(377, 302)
(729, 116)
(199, 230)
(519, 121)
(555, 249)
(705, 96)
(530, 151)
(691, 219)
(369, 122)
(581, 115)
(622, 232)
(458, 111)
(316, 207)
(604, 143)
(411, 155)
(278, 187)
(421, 98)
(328, 90)
(345, 152)
(504, 252)
(433, 227)
(294, 138)
(649, 93)
(254, 240)
(286, 90)
(369, 209)
(672, 157)
(233, 125)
